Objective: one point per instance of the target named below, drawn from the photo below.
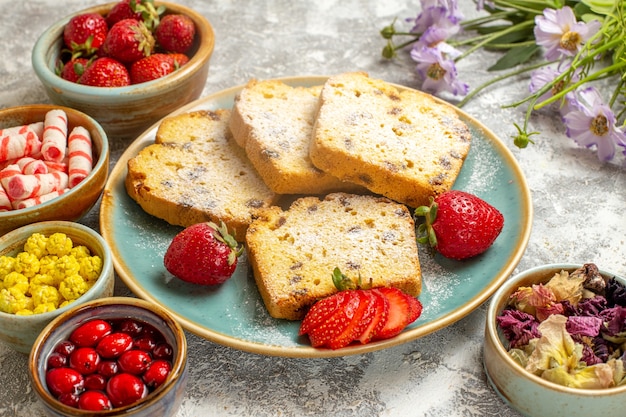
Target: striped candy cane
(80, 155)
(29, 202)
(9, 171)
(54, 139)
(19, 141)
(20, 187)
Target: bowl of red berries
(127, 64)
(114, 356)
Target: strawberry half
(459, 225)
(203, 254)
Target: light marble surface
(579, 214)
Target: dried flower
(566, 44)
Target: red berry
(124, 389)
(85, 33)
(69, 399)
(56, 360)
(134, 361)
(459, 225)
(163, 350)
(203, 254)
(108, 368)
(94, 401)
(128, 41)
(114, 344)
(65, 347)
(145, 342)
(175, 33)
(155, 66)
(85, 360)
(89, 333)
(95, 382)
(73, 69)
(64, 381)
(157, 373)
(105, 72)
(122, 10)
(131, 327)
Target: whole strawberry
(203, 254)
(459, 225)
(73, 69)
(105, 72)
(175, 33)
(128, 41)
(155, 66)
(144, 10)
(84, 34)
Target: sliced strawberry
(415, 308)
(398, 315)
(362, 317)
(380, 311)
(337, 323)
(322, 310)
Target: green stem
(472, 23)
(523, 5)
(495, 36)
(595, 76)
(492, 81)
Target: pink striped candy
(80, 155)
(5, 202)
(29, 202)
(54, 141)
(31, 166)
(20, 187)
(19, 141)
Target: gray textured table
(579, 215)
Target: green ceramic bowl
(126, 111)
(20, 332)
(531, 395)
(75, 203)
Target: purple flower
(560, 33)
(518, 327)
(546, 75)
(438, 72)
(437, 12)
(592, 122)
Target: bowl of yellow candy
(45, 269)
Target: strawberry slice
(362, 317)
(415, 309)
(336, 323)
(322, 310)
(379, 317)
(398, 315)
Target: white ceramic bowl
(21, 331)
(532, 395)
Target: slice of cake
(194, 172)
(273, 121)
(403, 144)
(293, 252)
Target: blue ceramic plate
(234, 315)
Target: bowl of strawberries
(115, 61)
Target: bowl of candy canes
(54, 162)
(111, 357)
(46, 268)
(555, 341)
(126, 63)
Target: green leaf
(514, 57)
